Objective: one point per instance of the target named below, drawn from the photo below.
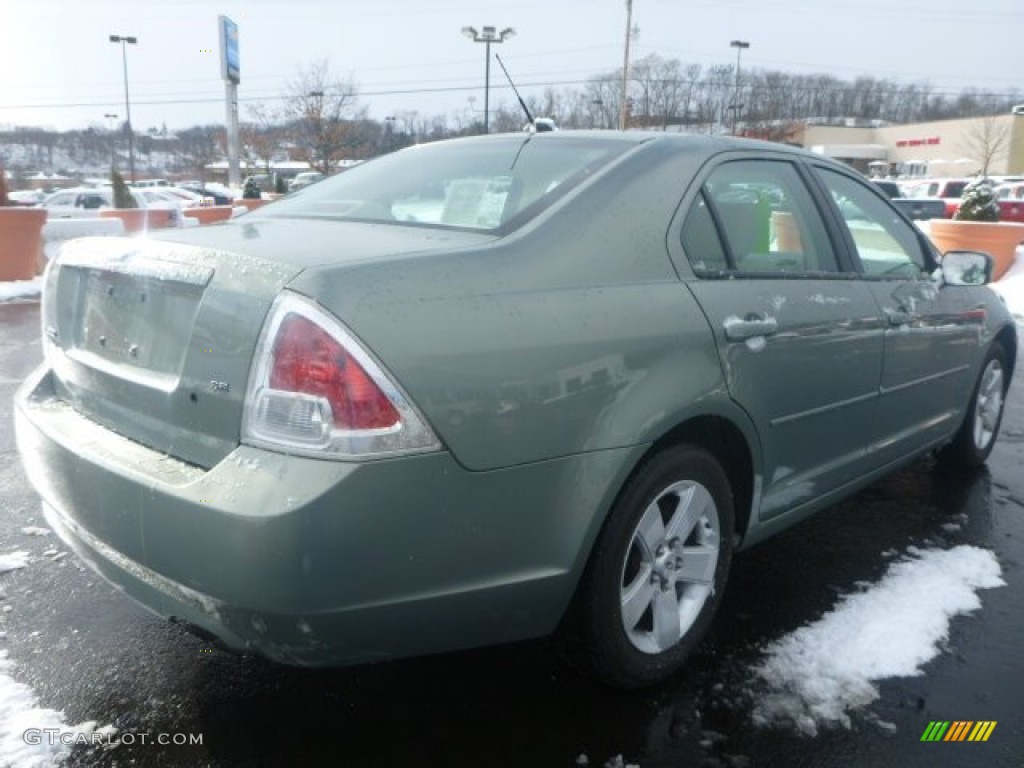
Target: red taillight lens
(315, 390)
(308, 360)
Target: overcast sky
(58, 68)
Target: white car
(183, 198)
(304, 179)
(84, 202)
(27, 196)
(87, 202)
(1011, 191)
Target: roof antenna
(535, 125)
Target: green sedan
(480, 390)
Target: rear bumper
(318, 562)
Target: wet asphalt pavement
(91, 653)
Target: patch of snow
(32, 736)
(21, 289)
(12, 561)
(34, 530)
(1011, 287)
(820, 298)
(823, 671)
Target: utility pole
(739, 45)
(624, 108)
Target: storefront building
(957, 148)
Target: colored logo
(958, 730)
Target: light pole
(488, 36)
(739, 45)
(127, 102)
(113, 147)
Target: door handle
(749, 327)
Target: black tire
(977, 434)
(682, 500)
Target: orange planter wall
(998, 239)
(251, 203)
(210, 214)
(21, 242)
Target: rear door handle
(749, 327)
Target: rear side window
(700, 240)
(756, 217)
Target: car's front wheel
(977, 435)
(658, 570)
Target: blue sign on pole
(229, 62)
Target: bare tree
(200, 146)
(322, 108)
(260, 136)
(987, 138)
(604, 99)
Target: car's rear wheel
(973, 443)
(658, 570)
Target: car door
(931, 332)
(61, 205)
(798, 331)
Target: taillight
(308, 360)
(313, 389)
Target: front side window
(756, 217)
(886, 244)
(485, 185)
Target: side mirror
(966, 268)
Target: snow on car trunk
(154, 340)
(821, 672)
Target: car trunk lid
(154, 339)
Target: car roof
(698, 144)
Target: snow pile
(820, 672)
(21, 289)
(20, 712)
(24, 741)
(1011, 287)
(13, 561)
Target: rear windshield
(489, 185)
